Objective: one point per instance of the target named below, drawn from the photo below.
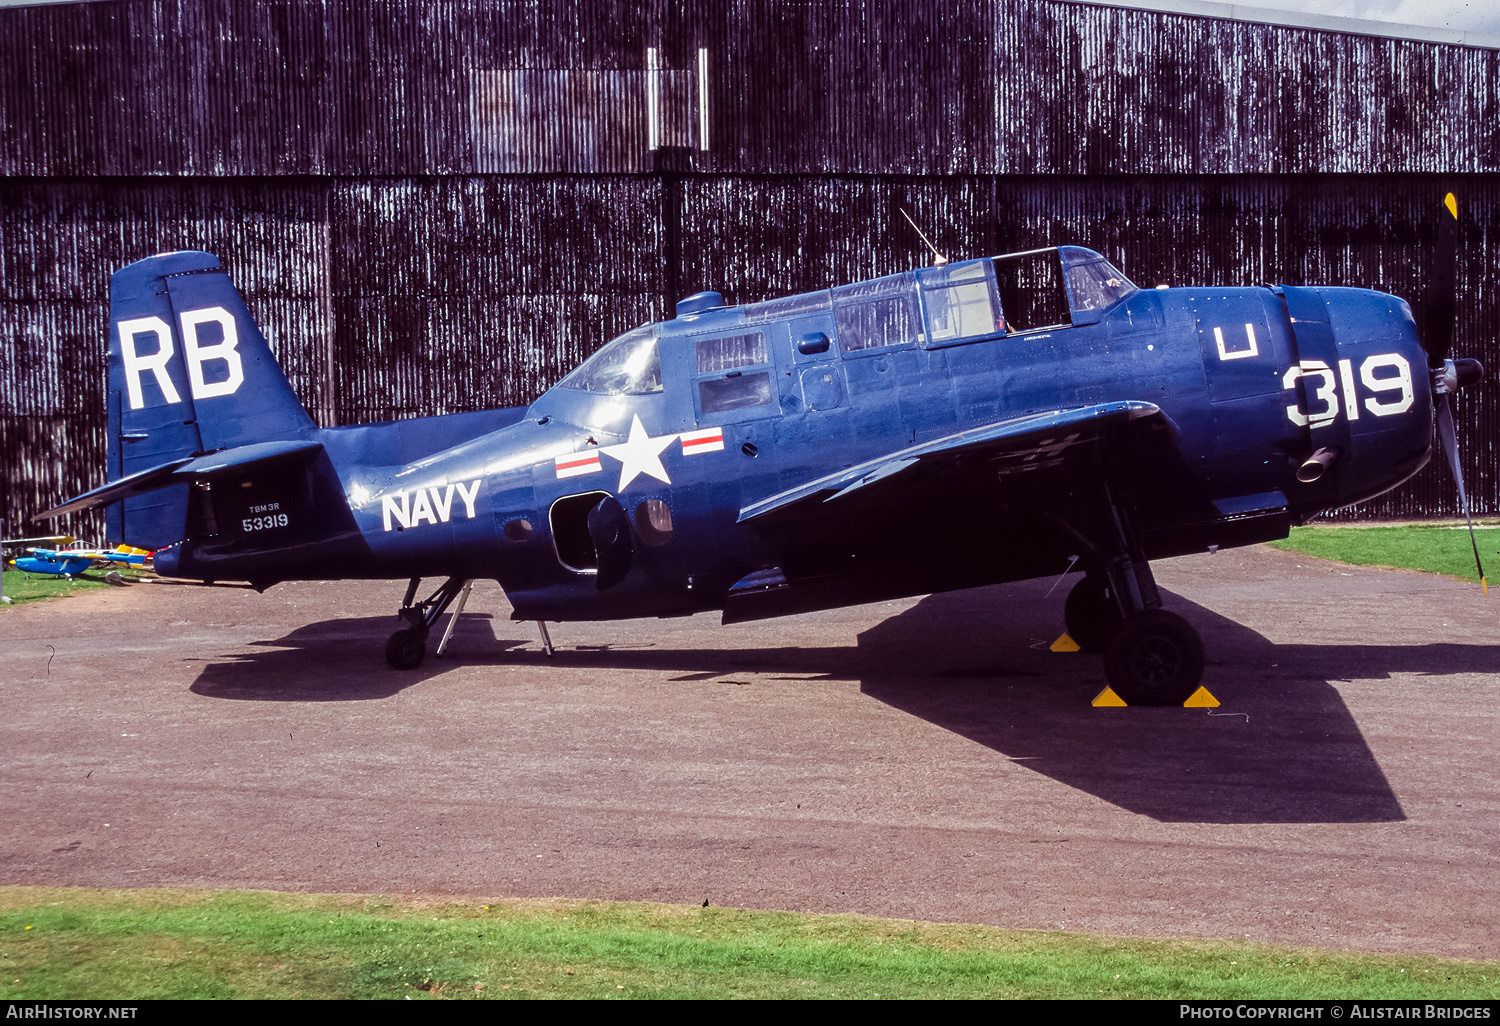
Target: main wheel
(1155, 658)
(406, 649)
(1091, 614)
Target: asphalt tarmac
(927, 758)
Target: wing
(1032, 445)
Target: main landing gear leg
(1151, 656)
(408, 647)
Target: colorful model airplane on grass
(71, 561)
(960, 425)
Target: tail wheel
(1091, 614)
(406, 649)
(1155, 658)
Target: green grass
(65, 943)
(22, 587)
(1435, 548)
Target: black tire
(1092, 616)
(1155, 658)
(406, 649)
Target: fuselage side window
(727, 380)
(730, 352)
(720, 395)
(1031, 291)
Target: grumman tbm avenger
(958, 425)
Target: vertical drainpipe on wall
(703, 98)
(653, 99)
(661, 166)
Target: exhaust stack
(1316, 464)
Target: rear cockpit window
(629, 365)
(876, 314)
(1097, 284)
(878, 323)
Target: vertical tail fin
(189, 372)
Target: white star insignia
(641, 454)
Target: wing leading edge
(1029, 443)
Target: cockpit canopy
(934, 306)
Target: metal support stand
(546, 639)
(463, 598)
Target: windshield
(630, 365)
(1097, 284)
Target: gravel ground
(924, 758)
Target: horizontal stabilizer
(139, 483)
(183, 470)
(245, 456)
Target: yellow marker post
(1064, 643)
(1108, 699)
(1201, 699)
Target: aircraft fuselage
(748, 403)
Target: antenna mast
(938, 260)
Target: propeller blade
(1440, 301)
(1450, 446)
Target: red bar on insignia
(577, 463)
(710, 440)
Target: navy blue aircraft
(959, 425)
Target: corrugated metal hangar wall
(434, 207)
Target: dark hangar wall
(438, 207)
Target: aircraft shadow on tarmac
(337, 661)
(1283, 747)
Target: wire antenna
(938, 260)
